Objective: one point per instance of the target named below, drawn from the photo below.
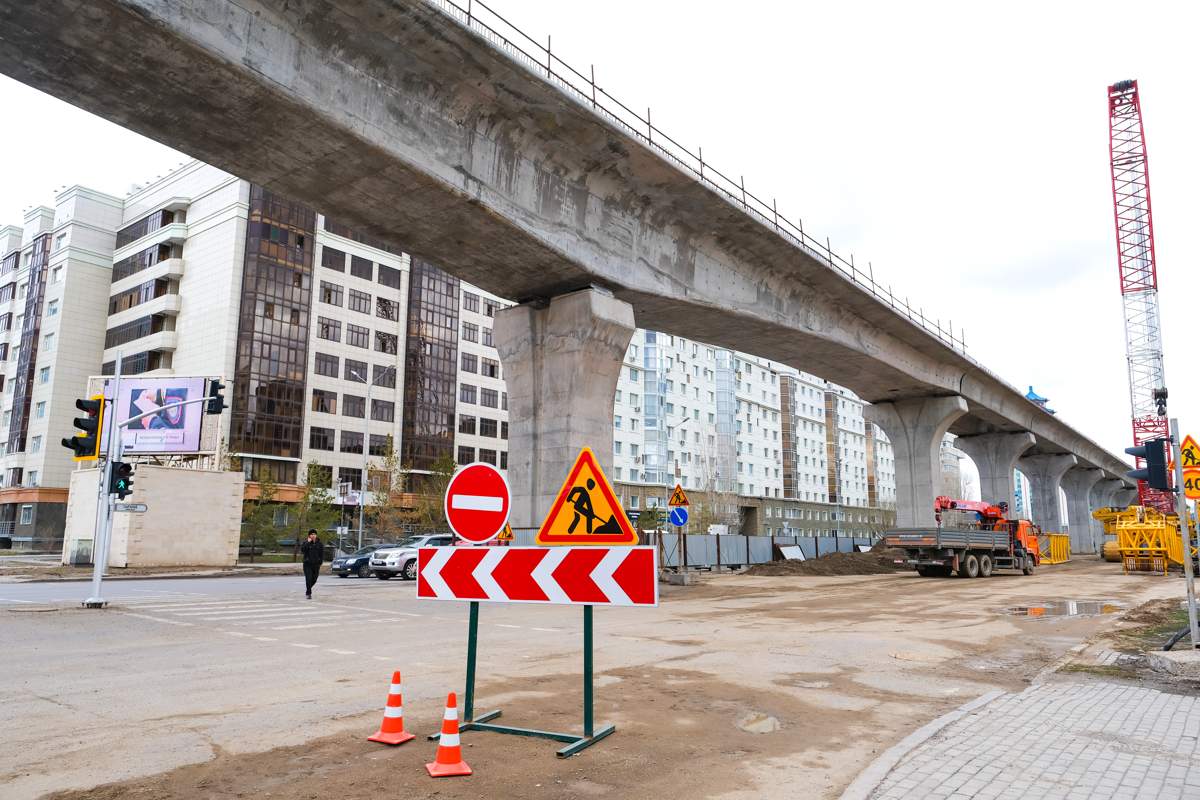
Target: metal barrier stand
(481, 723)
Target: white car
(401, 559)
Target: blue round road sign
(678, 516)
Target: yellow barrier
(1055, 548)
(1147, 540)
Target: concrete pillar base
(561, 364)
(1045, 473)
(995, 456)
(1077, 484)
(916, 427)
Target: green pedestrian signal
(120, 479)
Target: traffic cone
(449, 753)
(391, 730)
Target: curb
(870, 778)
(165, 576)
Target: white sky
(963, 151)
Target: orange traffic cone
(449, 754)
(391, 730)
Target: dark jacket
(313, 552)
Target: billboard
(173, 430)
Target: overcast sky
(962, 150)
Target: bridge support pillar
(916, 427)
(1045, 473)
(1077, 484)
(561, 364)
(1104, 495)
(995, 456)
(1125, 497)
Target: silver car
(401, 559)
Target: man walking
(314, 553)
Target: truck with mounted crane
(978, 539)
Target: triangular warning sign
(1189, 453)
(586, 510)
(678, 497)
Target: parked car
(357, 563)
(401, 559)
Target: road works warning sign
(586, 510)
(1189, 453)
(678, 497)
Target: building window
(380, 444)
(333, 259)
(361, 267)
(503, 430)
(320, 438)
(503, 459)
(383, 410)
(357, 337)
(352, 476)
(326, 365)
(352, 442)
(56, 275)
(323, 401)
(389, 277)
(44, 375)
(488, 397)
(488, 456)
(384, 376)
(471, 301)
(386, 343)
(355, 371)
(466, 393)
(35, 444)
(48, 342)
(466, 424)
(353, 406)
(360, 302)
(329, 329)
(470, 332)
(387, 309)
(320, 475)
(330, 293)
(470, 362)
(487, 427)
(487, 337)
(26, 515)
(491, 368)
(33, 478)
(39, 410)
(466, 455)
(6, 321)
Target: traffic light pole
(104, 511)
(1184, 532)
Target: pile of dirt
(878, 561)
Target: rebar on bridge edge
(799, 236)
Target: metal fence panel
(826, 545)
(733, 549)
(701, 550)
(669, 552)
(808, 546)
(845, 545)
(760, 549)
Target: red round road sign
(477, 502)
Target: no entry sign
(477, 502)
(614, 576)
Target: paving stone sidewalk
(1069, 740)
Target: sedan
(357, 563)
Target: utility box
(193, 518)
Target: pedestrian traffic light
(216, 401)
(120, 479)
(1154, 453)
(86, 443)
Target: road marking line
(232, 611)
(295, 614)
(298, 644)
(372, 610)
(476, 502)
(243, 635)
(7, 600)
(302, 627)
(343, 652)
(156, 619)
(381, 658)
(502, 625)
(546, 630)
(307, 615)
(264, 639)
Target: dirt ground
(745, 687)
(878, 561)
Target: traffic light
(120, 479)
(1154, 453)
(216, 402)
(86, 443)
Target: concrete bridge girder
(425, 136)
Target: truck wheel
(968, 566)
(925, 572)
(1028, 568)
(985, 566)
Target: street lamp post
(680, 551)
(362, 486)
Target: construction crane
(1139, 276)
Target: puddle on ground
(1067, 608)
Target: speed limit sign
(1191, 484)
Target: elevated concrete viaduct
(392, 116)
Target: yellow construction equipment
(1147, 540)
(1055, 548)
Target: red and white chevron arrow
(614, 576)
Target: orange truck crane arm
(988, 510)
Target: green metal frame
(481, 723)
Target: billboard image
(170, 430)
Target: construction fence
(710, 551)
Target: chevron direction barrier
(612, 576)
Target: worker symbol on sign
(582, 500)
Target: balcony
(171, 233)
(162, 341)
(166, 305)
(171, 268)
